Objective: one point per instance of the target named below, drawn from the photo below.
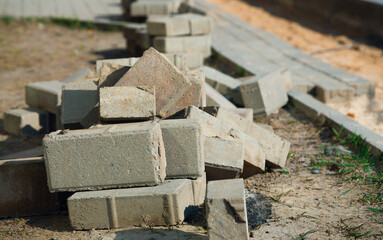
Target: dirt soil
(322, 203)
(318, 38)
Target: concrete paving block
(180, 24)
(220, 81)
(144, 8)
(23, 188)
(194, 96)
(276, 148)
(44, 95)
(247, 113)
(226, 210)
(77, 76)
(201, 43)
(212, 127)
(223, 158)
(265, 93)
(182, 60)
(111, 156)
(167, 26)
(164, 204)
(154, 69)
(199, 24)
(128, 62)
(184, 148)
(214, 98)
(199, 189)
(127, 103)
(26, 121)
(78, 99)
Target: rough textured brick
(200, 43)
(154, 69)
(178, 25)
(247, 113)
(167, 26)
(26, 121)
(78, 99)
(23, 188)
(183, 60)
(199, 189)
(223, 158)
(214, 98)
(220, 81)
(153, 7)
(226, 210)
(183, 147)
(164, 204)
(44, 95)
(265, 94)
(110, 156)
(127, 103)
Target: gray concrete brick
(226, 210)
(199, 24)
(119, 61)
(127, 103)
(164, 204)
(199, 189)
(77, 76)
(194, 96)
(112, 156)
(184, 148)
(265, 94)
(212, 127)
(180, 24)
(151, 7)
(44, 95)
(223, 158)
(201, 43)
(23, 188)
(214, 98)
(78, 99)
(154, 69)
(26, 121)
(247, 113)
(167, 26)
(275, 147)
(220, 81)
(182, 60)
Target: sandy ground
(317, 38)
(303, 201)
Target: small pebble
(315, 171)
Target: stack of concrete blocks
(264, 94)
(183, 38)
(181, 33)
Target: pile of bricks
(140, 147)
